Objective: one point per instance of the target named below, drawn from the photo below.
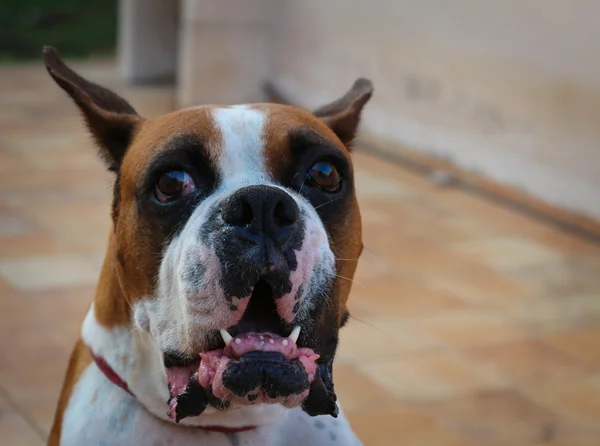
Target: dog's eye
(325, 176)
(173, 185)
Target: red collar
(112, 376)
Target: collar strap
(112, 376)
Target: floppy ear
(110, 118)
(343, 115)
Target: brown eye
(325, 176)
(173, 185)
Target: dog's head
(236, 236)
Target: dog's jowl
(225, 282)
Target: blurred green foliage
(77, 28)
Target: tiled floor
(472, 325)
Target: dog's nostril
(286, 212)
(238, 213)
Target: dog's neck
(110, 333)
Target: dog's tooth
(295, 334)
(226, 336)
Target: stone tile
(504, 220)
(526, 362)
(370, 186)
(508, 253)
(371, 268)
(27, 245)
(404, 427)
(6, 289)
(403, 298)
(66, 179)
(471, 327)
(419, 257)
(14, 429)
(379, 338)
(557, 279)
(583, 345)
(482, 286)
(566, 243)
(37, 273)
(383, 168)
(41, 330)
(92, 216)
(501, 417)
(432, 376)
(80, 241)
(577, 400)
(586, 438)
(555, 315)
(357, 392)
(469, 226)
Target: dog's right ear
(110, 118)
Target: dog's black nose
(259, 211)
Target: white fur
(101, 414)
(242, 151)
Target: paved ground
(472, 325)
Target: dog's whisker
(350, 280)
(329, 202)
(372, 326)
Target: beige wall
(148, 40)
(509, 89)
(224, 50)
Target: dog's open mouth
(254, 363)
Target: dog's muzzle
(256, 233)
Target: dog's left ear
(110, 118)
(343, 115)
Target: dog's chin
(254, 368)
(260, 360)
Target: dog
(235, 231)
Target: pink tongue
(214, 363)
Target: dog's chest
(101, 414)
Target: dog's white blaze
(242, 158)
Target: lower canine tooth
(227, 338)
(295, 333)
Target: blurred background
(476, 305)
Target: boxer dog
(235, 231)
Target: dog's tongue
(253, 368)
(214, 364)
